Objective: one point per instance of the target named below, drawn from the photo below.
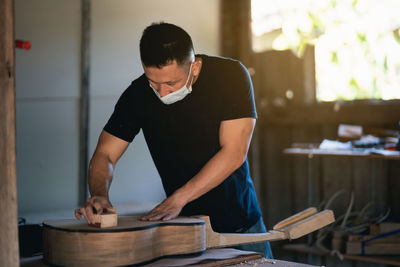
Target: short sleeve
(124, 122)
(237, 100)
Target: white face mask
(178, 94)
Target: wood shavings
(265, 260)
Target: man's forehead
(171, 70)
(165, 74)
(168, 65)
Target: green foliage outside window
(357, 43)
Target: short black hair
(162, 43)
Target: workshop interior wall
(48, 91)
(282, 180)
(284, 186)
(47, 101)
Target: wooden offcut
(386, 227)
(386, 242)
(134, 242)
(356, 248)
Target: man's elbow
(239, 159)
(99, 159)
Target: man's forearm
(217, 169)
(100, 175)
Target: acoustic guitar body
(132, 242)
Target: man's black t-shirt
(182, 137)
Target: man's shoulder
(135, 91)
(138, 83)
(229, 68)
(137, 86)
(212, 59)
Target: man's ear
(197, 64)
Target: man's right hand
(97, 204)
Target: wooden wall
(282, 180)
(283, 121)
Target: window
(357, 43)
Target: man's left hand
(166, 210)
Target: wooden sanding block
(108, 218)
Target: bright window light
(357, 43)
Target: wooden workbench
(207, 259)
(269, 263)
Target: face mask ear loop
(190, 86)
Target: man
(197, 115)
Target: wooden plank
(9, 254)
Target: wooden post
(84, 101)
(9, 255)
(236, 43)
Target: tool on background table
(26, 45)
